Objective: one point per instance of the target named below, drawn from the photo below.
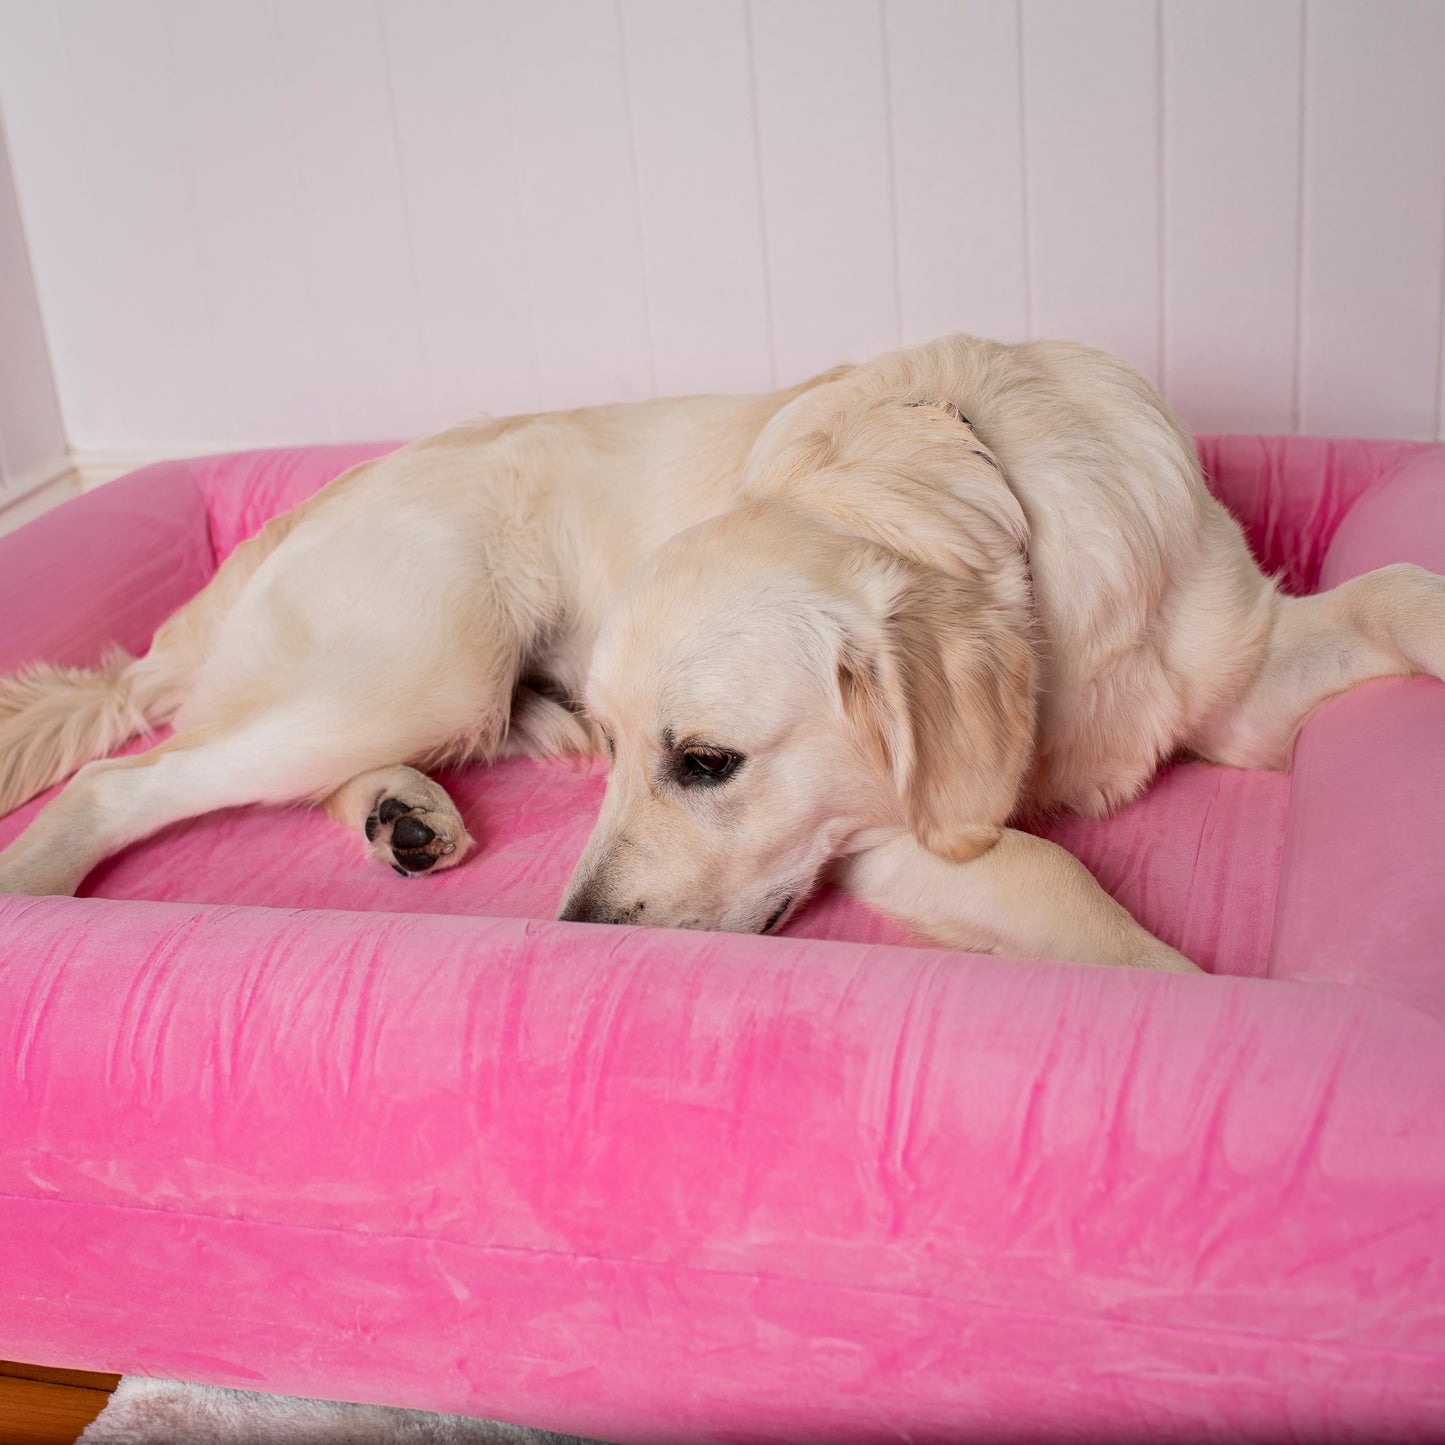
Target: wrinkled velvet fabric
(272, 1117)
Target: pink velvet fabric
(277, 1118)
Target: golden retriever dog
(855, 627)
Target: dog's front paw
(415, 835)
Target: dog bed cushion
(276, 1118)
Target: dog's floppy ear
(946, 694)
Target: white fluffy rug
(166, 1412)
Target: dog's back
(487, 555)
(430, 583)
(1149, 611)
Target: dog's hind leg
(1389, 623)
(276, 756)
(406, 818)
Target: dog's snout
(580, 906)
(589, 904)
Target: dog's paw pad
(411, 838)
(409, 833)
(390, 809)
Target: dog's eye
(708, 765)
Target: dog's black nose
(586, 905)
(581, 907)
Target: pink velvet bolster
(666, 1187)
(1291, 493)
(104, 570)
(1362, 895)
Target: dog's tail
(53, 719)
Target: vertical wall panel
(1091, 136)
(42, 137)
(958, 166)
(823, 128)
(1374, 198)
(581, 232)
(689, 86)
(461, 187)
(152, 321)
(334, 82)
(32, 440)
(102, 184)
(239, 143)
(1231, 212)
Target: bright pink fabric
(1364, 895)
(103, 571)
(298, 1124)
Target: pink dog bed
(276, 1118)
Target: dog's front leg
(1025, 897)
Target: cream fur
(916, 598)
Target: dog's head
(777, 690)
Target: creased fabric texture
(274, 1118)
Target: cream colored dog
(862, 623)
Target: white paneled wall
(263, 221)
(32, 440)
(1374, 80)
(1231, 167)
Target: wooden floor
(49, 1407)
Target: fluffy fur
(861, 624)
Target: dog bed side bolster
(103, 570)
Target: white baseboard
(28, 496)
(94, 469)
(80, 471)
